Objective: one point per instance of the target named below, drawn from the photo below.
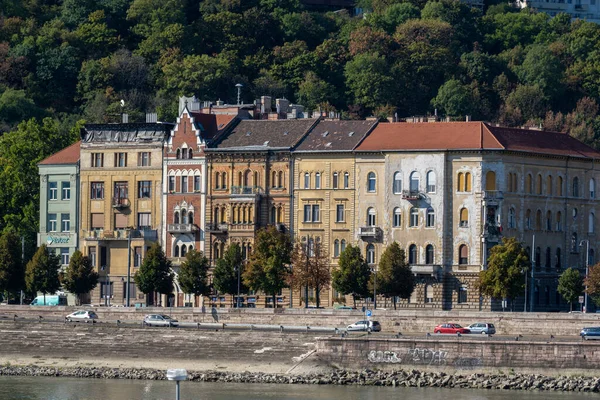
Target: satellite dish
(122, 103)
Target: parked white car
(160, 320)
(368, 326)
(82, 315)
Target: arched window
(412, 254)
(397, 217)
(217, 180)
(509, 183)
(558, 221)
(370, 254)
(549, 188)
(538, 220)
(592, 223)
(429, 254)
(255, 180)
(464, 217)
(371, 182)
(318, 180)
(247, 178)
(461, 182)
(178, 154)
(468, 182)
(190, 248)
(342, 246)
(217, 252)
(557, 261)
(190, 154)
(515, 183)
(591, 257)
(548, 259)
(279, 215)
(528, 219)
(529, 184)
(274, 179)
(538, 185)
(336, 248)
(184, 216)
(346, 180)
(176, 251)
(397, 184)
(490, 181)
(183, 250)
(371, 216)
(176, 217)
(430, 219)
(334, 180)
(592, 188)
(190, 217)
(415, 179)
(549, 221)
(431, 182)
(273, 215)
(414, 217)
(224, 180)
(306, 180)
(463, 254)
(559, 186)
(512, 220)
(280, 181)
(538, 257)
(428, 293)
(576, 187)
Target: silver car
(482, 328)
(160, 320)
(369, 326)
(82, 315)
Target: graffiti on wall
(423, 356)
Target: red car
(450, 328)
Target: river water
(42, 388)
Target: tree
(395, 278)
(504, 277)
(155, 274)
(570, 285)
(369, 80)
(193, 274)
(12, 273)
(310, 268)
(225, 274)
(455, 99)
(267, 269)
(314, 91)
(352, 274)
(41, 274)
(79, 277)
(592, 284)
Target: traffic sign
(581, 300)
(369, 313)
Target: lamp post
(308, 250)
(129, 231)
(533, 260)
(177, 375)
(239, 267)
(374, 271)
(587, 266)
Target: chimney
(151, 118)
(283, 105)
(220, 102)
(125, 118)
(468, 118)
(265, 104)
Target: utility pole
(308, 249)
(587, 266)
(532, 275)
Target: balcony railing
(120, 203)
(217, 228)
(369, 232)
(493, 195)
(181, 228)
(120, 234)
(492, 229)
(411, 194)
(246, 190)
(426, 269)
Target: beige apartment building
(121, 191)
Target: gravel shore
(400, 378)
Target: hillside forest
(66, 62)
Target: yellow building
(121, 192)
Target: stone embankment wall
(391, 321)
(459, 353)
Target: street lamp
(176, 375)
(238, 267)
(587, 266)
(374, 271)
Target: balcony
(430, 270)
(120, 203)
(121, 234)
(217, 228)
(370, 232)
(492, 196)
(492, 230)
(181, 228)
(246, 190)
(411, 195)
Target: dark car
(450, 328)
(590, 333)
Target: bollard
(198, 325)
(281, 328)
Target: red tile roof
(211, 123)
(68, 155)
(427, 136)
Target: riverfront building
(121, 202)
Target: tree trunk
(395, 300)
(274, 300)
(318, 297)
(354, 299)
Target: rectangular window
(120, 160)
(311, 213)
(307, 213)
(52, 190)
(121, 189)
(97, 221)
(65, 222)
(52, 222)
(318, 181)
(315, 212)
(171, 184)
(97, 191)
(346, 180)
(144, 189)
(137, 256)
(144, 159)
(196, 183)
(64, 255)
(121, 221)
(339, 213)
(184, 184)
(97, 160)
(66, 190)
(144, 221)
(92, 255)
(335, 180)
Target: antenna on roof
(239, 87)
